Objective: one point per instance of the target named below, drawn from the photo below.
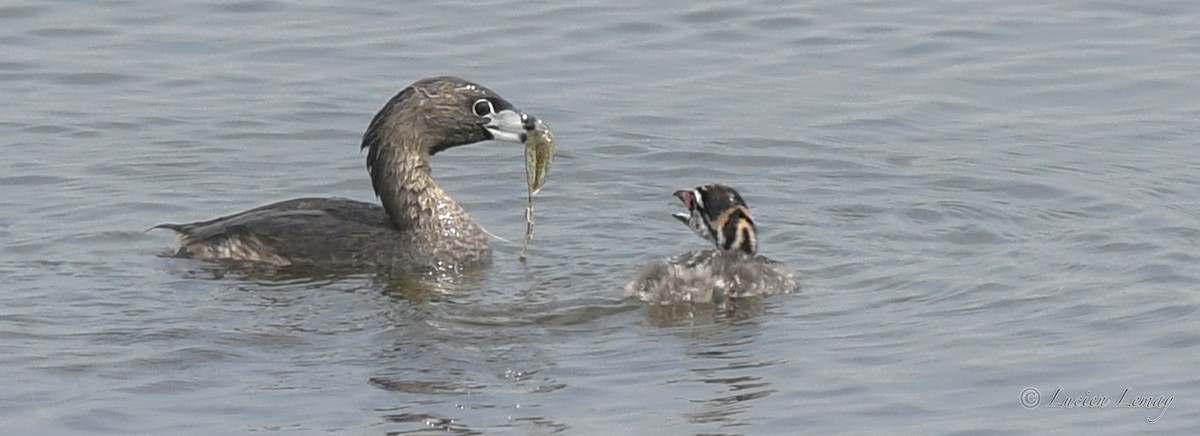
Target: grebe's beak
(688, 199)
(511, 125)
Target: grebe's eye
(483, 107)
(698, 198)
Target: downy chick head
(717, 213)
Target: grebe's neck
(404, 183)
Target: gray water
(978, 197)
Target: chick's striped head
(717, 213)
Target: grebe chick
(418, 228)
(715, 213)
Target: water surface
(978, 197)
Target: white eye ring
(483, 107)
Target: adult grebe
(418, 229)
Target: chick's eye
(483, 107)
(697, 197)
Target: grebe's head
(436, 114)
(717, 213)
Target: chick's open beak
(688, 202)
